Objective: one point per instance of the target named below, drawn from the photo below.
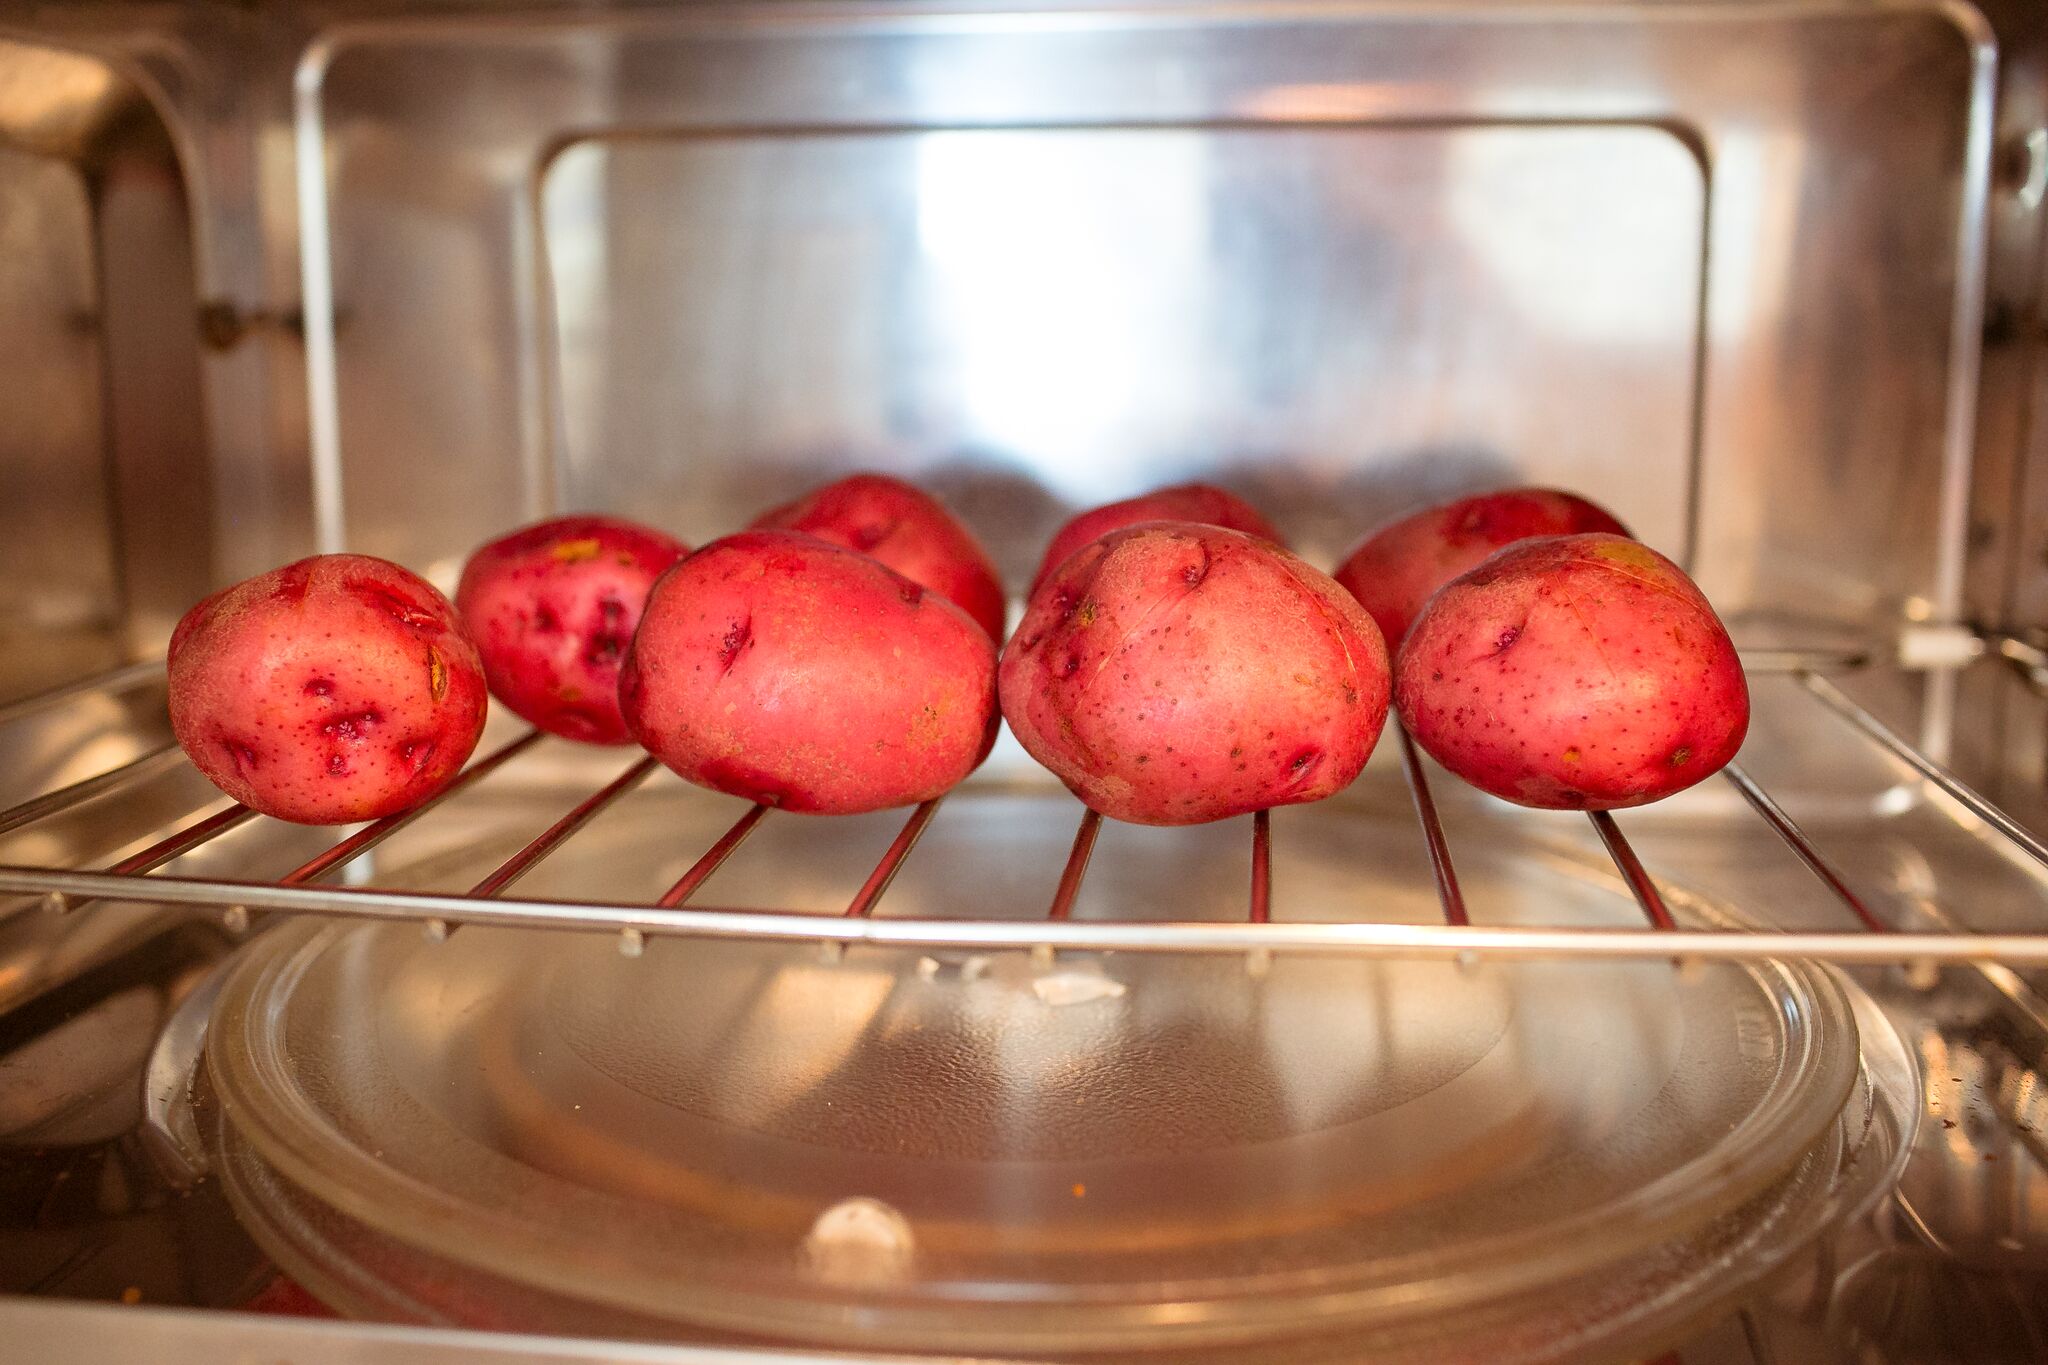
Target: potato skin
(552, 608)
(1400, 566)
(336, 689)
(1197, 502)
(773, 666)
(907, 529)
(1574, 673)
(1175, 673)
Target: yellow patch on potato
(1627, 553)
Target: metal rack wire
(1260, 933)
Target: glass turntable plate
(1107, 1153)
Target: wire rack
(1865, 938)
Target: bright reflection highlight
(1059, 264)
(1542, 214)
(809, 1018)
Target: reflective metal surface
(1764, 276)
(83, 1211)
(1334, 315)
(1341, 258)
(57, 550)
(106, 531)
(79, 1334)
(2002, 730)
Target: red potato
(1198, 502)
(905, 528)
(773, 666)
(1398, 567)
(1172, 673)
(552, 608)
(1574, 673)
(336, 689)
